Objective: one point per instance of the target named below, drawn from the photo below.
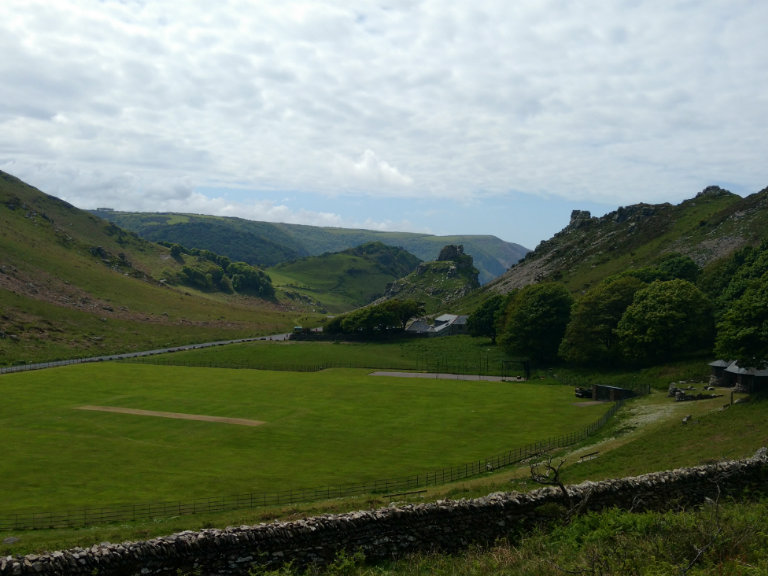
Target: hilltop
(440, 283)
(706, 228)
(268, 244)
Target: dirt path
(640, 417)
(176, 415)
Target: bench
(589, 456)
(404, 493)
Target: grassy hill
(440, 283)
(259, 243)
(708, 227)
(267, 244)
(337, 282)
(73, 285)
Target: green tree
(333, 325)
(673, 266)
(200, 279)
(742, 333)
(665, 320)
(176, 252)
(484, 320)
(535, 320)
(403, 310)
(369, 320)
(590, 335)
(389, 316)
(668, 267)
(752, 265)
(251, 280)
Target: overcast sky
(463, 117)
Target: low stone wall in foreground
(390, 532)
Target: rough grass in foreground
(716, 539)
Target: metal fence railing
(31, 519)
(108, 357)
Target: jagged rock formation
(707, 227)
(438, 283)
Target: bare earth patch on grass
(176, 415)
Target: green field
(457, 355)
(324, 428)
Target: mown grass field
(324, 428)
(457, 354)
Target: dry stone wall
(393, 531)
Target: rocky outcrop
(437, 284)
(707, 227)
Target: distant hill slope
(267, 244)
(437, 284)
(73, 285)
(340, 281)
(259, 243)
(707, 227)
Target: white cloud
(369, 169)
(615, 102)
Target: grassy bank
(718, 539)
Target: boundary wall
(393, 531)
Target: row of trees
(376, 320)
(639, 317)
(213, 272)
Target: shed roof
(734, 368)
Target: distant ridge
(707, 227)
(267, 244)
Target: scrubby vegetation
(439, 284)
(213, 272)
(717, 539)
(656, 313)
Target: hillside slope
(438, 284)
(267, 244)
(74, 285)
(706, 228)
(259, 243)
(340, 281)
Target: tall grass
(717, 539)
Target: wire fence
(83, 517)
(421, 365)
(164, 358)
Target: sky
(445, 117)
